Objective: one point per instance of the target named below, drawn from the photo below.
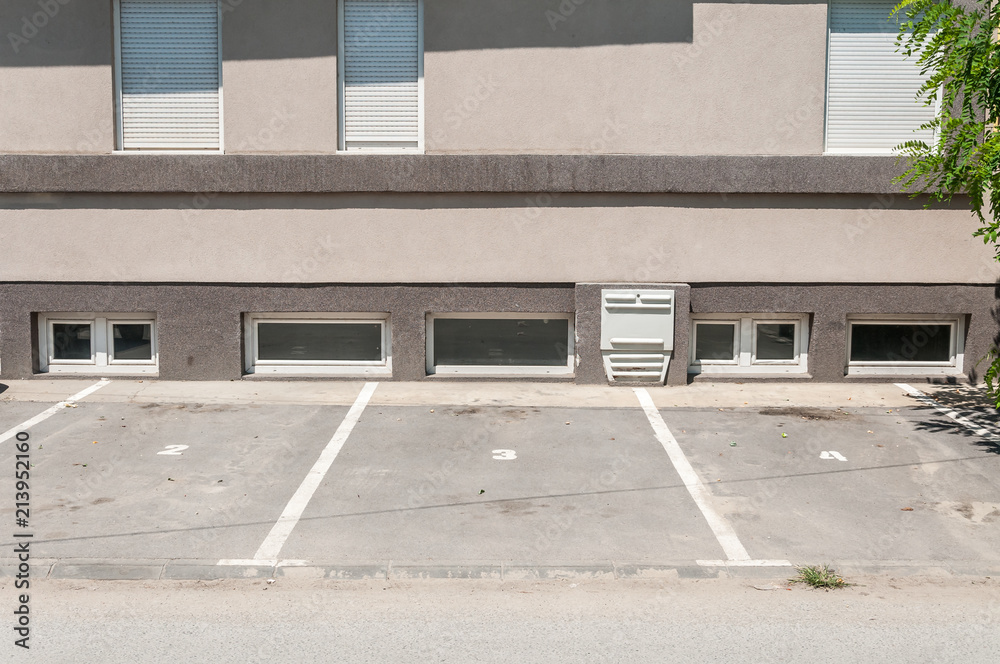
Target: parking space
(859, 484)
(151, 481)
(471, 484)
(486, 474)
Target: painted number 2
(504, 455)
(174, 449)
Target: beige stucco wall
(56, 77)
(56, 110)
(343, 239)
(750, 80)
(279, 76)
(636, 76)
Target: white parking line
(964, 421)
(49, 412)
(269, 550)
(744, 563)
(724, 533)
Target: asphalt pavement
(344, 480)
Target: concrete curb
(205, 570)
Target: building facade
(425, 189)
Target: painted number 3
(504, 455)
(174, 449)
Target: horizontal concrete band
(449, 173)
(170, 570)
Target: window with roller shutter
(168, 75)
(381, 75)
(871, 88)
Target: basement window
(749, 343)
(346, 344)
(104, 343)
(500, 344)
(904, 345)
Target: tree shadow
(967, 401)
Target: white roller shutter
(169, 74)
(871, 89)
(381, 73)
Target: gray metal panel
(637, 319)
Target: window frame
(255, 366)
(342, 84)
(509, 370)
(102, 360)
(796, 342)
(954, 366)
(735, 322)
(112, 361)
(745, 344)
(119, 148)
(826, 105)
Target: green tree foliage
(957, 49)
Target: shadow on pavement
(970, 402)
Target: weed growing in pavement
(819, 576)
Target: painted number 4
(504, 455)
(832, 455)
(174, 450)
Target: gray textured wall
(199, 326)
(832, 304)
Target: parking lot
(140, 479)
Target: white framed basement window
(871, 88)
(168, 76)
(347, 344)
(97, 343)
(749, 343)
(905, 344)
(495, 344)
(380, 68)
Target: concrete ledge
(206, 571)
(101, 571)
(806, 174)
(518, 572)
(178, 570)
(334, 572)
(404, 572)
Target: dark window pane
(900, 343)
(319, 341)
(715, 341)
(501, 342)
(71, 341)
(776, 341)
(133, 341)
